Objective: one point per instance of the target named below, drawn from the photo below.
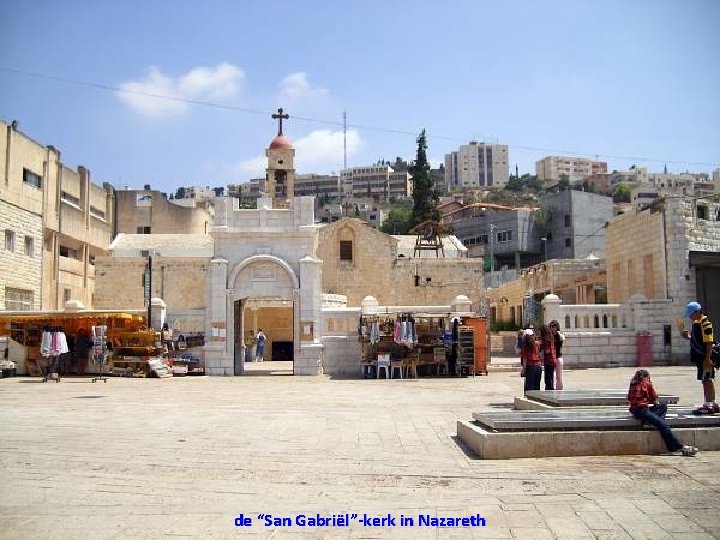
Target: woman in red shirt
(531, 362)
(644, 406)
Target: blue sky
(627, 81)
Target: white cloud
(320, 151)
(296, 86)
(201, 83)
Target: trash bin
(643, 345)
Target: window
(568, 242)
(702, 211)
(346, 253)
(29, 246)
(70, 199)
(504, 237)
(91, 260)
(96, 213)
(18, 299)
(9, 240)
(70, 253)
(567, 220)
(66, 295)
(32, 179)
(143, 230)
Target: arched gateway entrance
(264, 295)
(265, 268)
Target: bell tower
(280, 172)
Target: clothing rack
(99, 350)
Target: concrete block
(569, 443)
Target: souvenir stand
(26, 328)
(406, 342)
(402, 342)
(138, 354)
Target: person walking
(643, 400)
(701, 343)
(559, 339)
(260, 347)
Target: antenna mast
(344, 140)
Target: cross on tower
(279, 117)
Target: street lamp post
(149, 300)
(547, 266)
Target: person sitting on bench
(645, 407)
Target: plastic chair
(383, 363)
(410, 366)
(396, 365)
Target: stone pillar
(461, 304)
(309, 318)
(158, 311)
(217, 359)
(551, 309)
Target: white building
(550, 169)
(379, 182)
(475, 166)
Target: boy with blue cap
(701, 342)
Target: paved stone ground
(136, 458)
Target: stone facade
(150, 212)
(262, 257)
(20, 269)
(179, 271)
(374, 268)
(75, 218)
(573, 280)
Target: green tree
(564, 182)
(622, 193)
(514, 184)
(398, 220)
(425, 198)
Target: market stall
(78, 328)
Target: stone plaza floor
(184, 457)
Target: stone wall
(180, 282)
(375, 269)
(342, 353)
(19, 270)
(160, 214)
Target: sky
(179, 93)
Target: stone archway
(269, 287)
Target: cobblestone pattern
(147, 458)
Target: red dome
(281, 142)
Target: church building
(265, 273)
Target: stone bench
(580, 432)
(554, 399)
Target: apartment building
(247, 192)
(550, 169)
(55, 223)
(505, 234)
(575, 224)
(325, 187)
(379, 182)
(476, 165)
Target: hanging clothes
(46, 343)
